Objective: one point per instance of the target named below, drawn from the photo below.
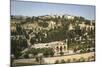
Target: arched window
(61, 48)
(57, 48)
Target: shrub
(62, 61)
(57, 61)
(61, 53)
(26, 56)
(74, 60)
(81, 59)
(68, 60)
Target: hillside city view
(51, 39)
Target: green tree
(17, 46)
(32, 40)
(34, 51)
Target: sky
(29, 8)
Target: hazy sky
(36, 9)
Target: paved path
(51, 60)
(76, 56)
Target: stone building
(58, 46)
